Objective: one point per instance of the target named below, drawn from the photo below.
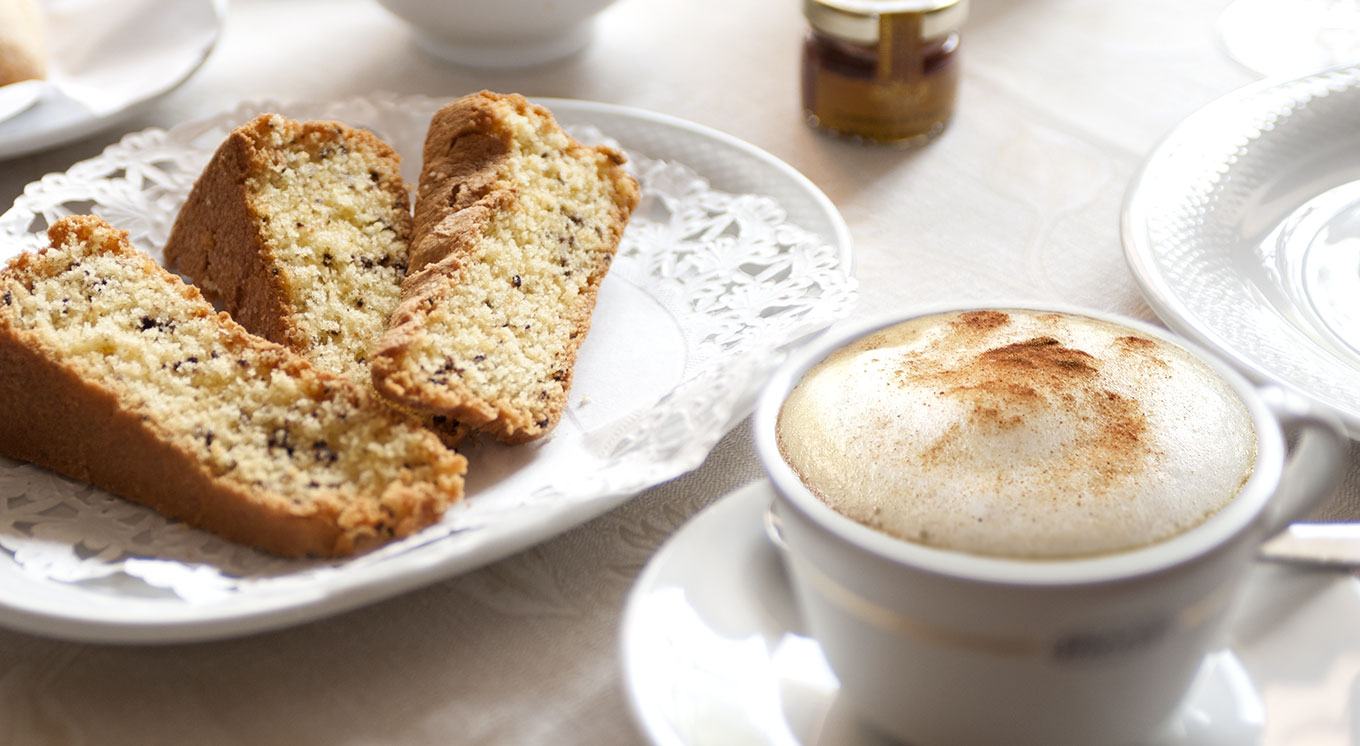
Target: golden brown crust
(460, 180)
(464, 183)
(216, 239)
(58, 416)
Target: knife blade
(1325, 544)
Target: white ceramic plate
(106, 58)
(714, 653)
(1243, 229)
(731, 258)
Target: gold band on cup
(1084, 645)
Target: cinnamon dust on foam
(1003, 385)
(985, 432)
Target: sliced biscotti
(114, 371)
(516, 225)
(302, 230)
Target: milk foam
(1018, 433)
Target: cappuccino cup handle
(1315, 465)
(774, 531)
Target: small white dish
(107, 59)
(1243, 230)
(500, 33)
(731, 258)
(714, 651)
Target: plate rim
(239, 616)
(1139, 252)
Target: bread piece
(23, 43)
(302, 230)
(113, 371)
(515, 226)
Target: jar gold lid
(858, 20)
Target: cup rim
(1218, 530)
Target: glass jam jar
(882, 70)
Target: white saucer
(107, 60)
(1243, 231)
(713, 652)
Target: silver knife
(1327, 544)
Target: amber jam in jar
(881, 70)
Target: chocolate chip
(280, 438)
(324, 452)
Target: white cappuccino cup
(948, 646)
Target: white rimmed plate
(714, 651)
(105, 60)
(731, 258)
(1243, 230)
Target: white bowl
(500, 33)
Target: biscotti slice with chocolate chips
(114, 371)
(302, 230)
(516, 225)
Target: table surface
(1020, 198)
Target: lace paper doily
(708, 290)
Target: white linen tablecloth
(1019, 199)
